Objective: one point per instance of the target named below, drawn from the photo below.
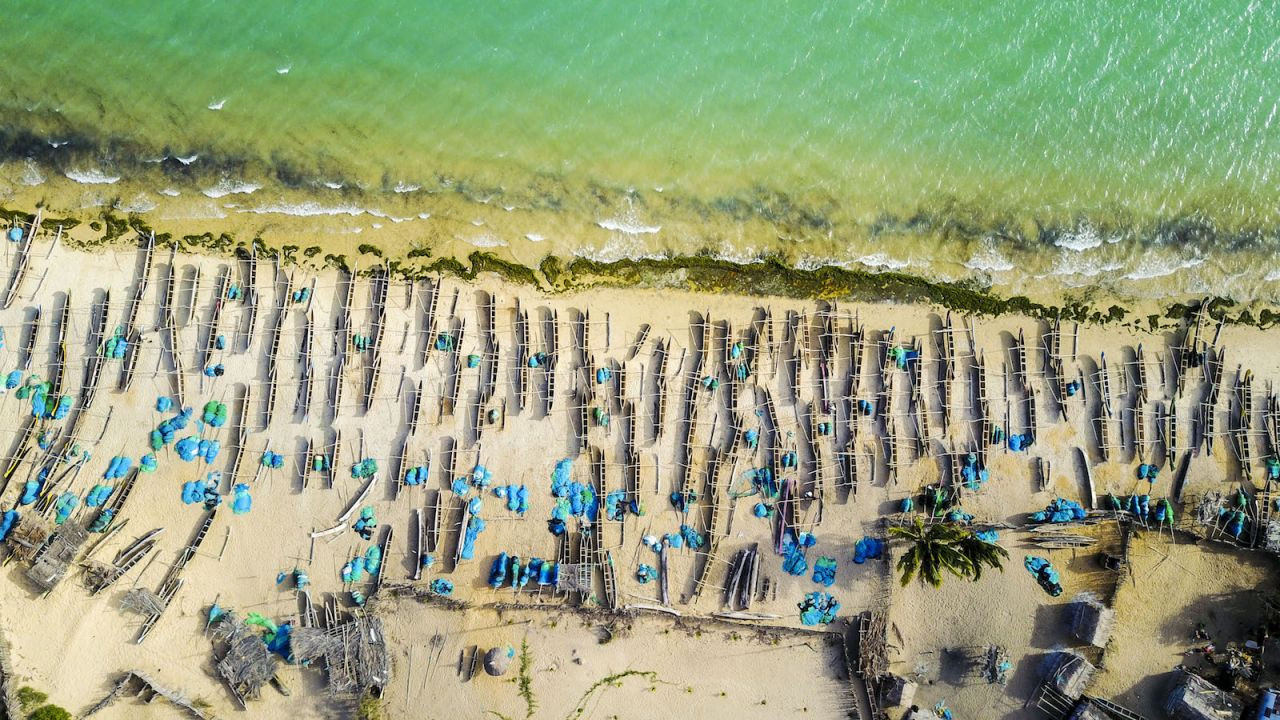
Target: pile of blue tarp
(366, 468)
(1060, 510)
(98, 495)
(474, 528)
(415, 476)
(868, 548)
(442, 587)
(64, 506)
(1148, 472)
(215, 413)
(7, 522)
(117, 468)
(818, 608)
(646, 573)
(366, 523)
(973, 476)
(272, 460)
(991, 537)
(1021, 442)
(517, 497)
(481, 476)
(168, 429)
(1044, 573)
(824, 571)
(242, 502)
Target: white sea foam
(628, 226)
(284, 70)
(1156, 268)
(170, 192)
(55, 144)
(333, 185)
(989, 259)
(478, 222)
(1272, 276)
(309, 208)
(217, 104)
(1082, 238)
(881, 260)
(377, 226)
(227, 187)
(533, 237)
(403, 187)
(188, 159)
(92, 176)
(424, 215)
(140, 203)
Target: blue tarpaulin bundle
(364, 469)
(868, 548)
(818, 608)
(188, 447)
(692, 538)
(215, 413)
(615, 504)
(373, 559)
(97, 496)
(990, 537)
(7, 521)
(498, 571)
(353, 571)
(13, 379)
(761, 510)
(824, 571)
(1060, 510)
(66, 503)
(603, 375)
(1020, 442)
(30, 491)
(272, 460)
(481, 476)
(752, 438)
(646, 573)
(474, 528)
(366, 523)
(1044, 573)
(164, 403)
(442, 587)
(415, 476)
(116, 346)
(1148, 473)
(117, 468)
(517, 497)
(242, 503)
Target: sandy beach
(461, 360)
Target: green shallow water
(1118, 119)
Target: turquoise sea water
(1089, 127)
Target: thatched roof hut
(896, 691)
(1194, 698)
(50, 563)
(1091, 621)
(247, 664)
(1072, 674)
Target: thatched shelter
(896, 691)
(50, 563)
(247, 664)
(1072, 674)
(1194, 698)
(354, 653)
(1091, 621)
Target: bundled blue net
(1060, 510)
(7, 521)
(818, 608)
(824, 571)
(868, 548)
(242, 503)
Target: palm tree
(943, 547)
